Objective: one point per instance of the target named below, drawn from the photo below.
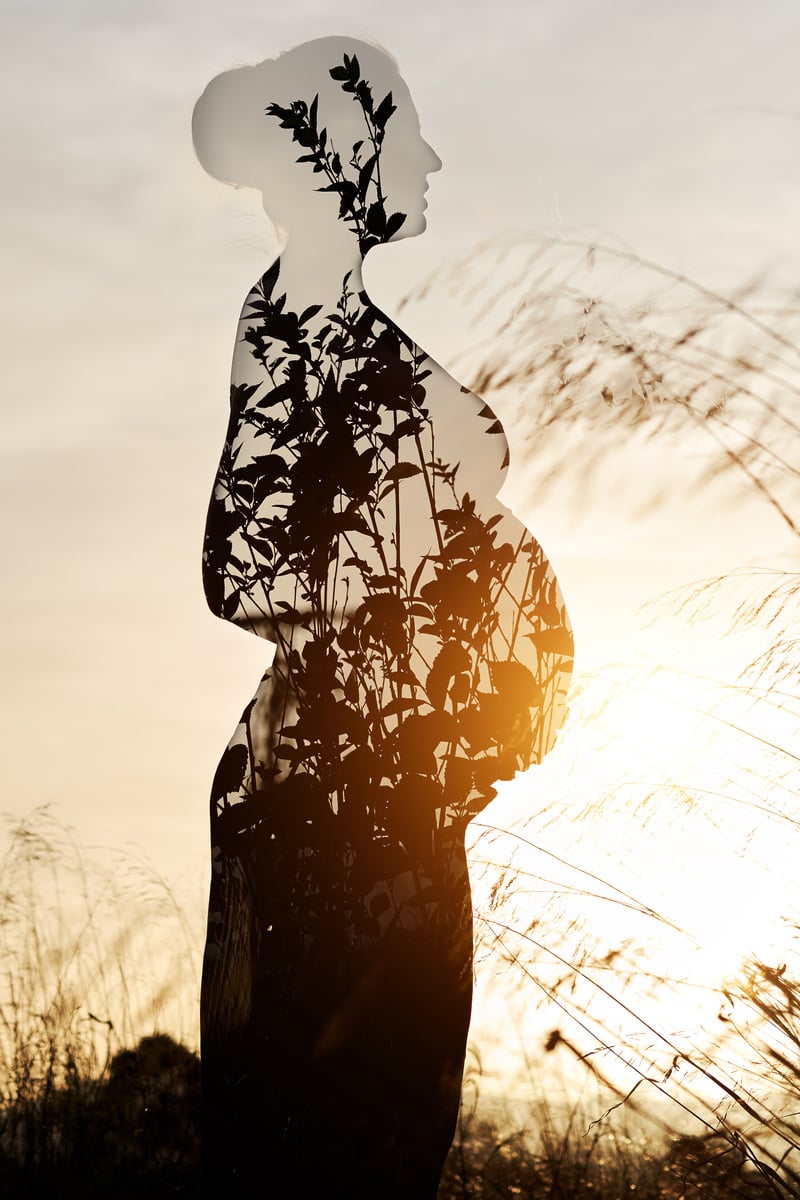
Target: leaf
(291, 753)
(288, 614)
(449, 663)
(308, 313)
(401, 704)
(385, 606)
(415, 578)
(515, 679)
(230, 773)
(365, 174)
(230, 605)
(554, 641)
(474, 729)
(364, 95)
(401, 470)
(348, 193)
(360, 564)
(376, 219)
(384, 111)
(263, 548)
(393, 223)
(351, 690)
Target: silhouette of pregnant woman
(423, 653)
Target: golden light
(636, 870)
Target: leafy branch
(362, 202)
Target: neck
(312, 268)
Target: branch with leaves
(362, 202)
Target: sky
(668, 129)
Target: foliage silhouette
(423, 652)
(133, 1131)
(686, 367)
(368, 219)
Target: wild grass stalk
(95, 955)
(589, 353)
(687, 1032)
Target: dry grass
(96, 953)
(94, 957)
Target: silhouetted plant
(361, 200)
(131, 1131)
(80, 1113)
(488, 1159)
(423, 653)
(581, 373)
(408, 677)
(570, 335)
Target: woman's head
(252, 124)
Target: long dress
(423, 653)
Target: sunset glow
(611, 262)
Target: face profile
(237, 145)
(422, 653)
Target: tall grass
(96, 953)
(586, 372)
(679, 1035)
(584, 348)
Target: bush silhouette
(133, 1132)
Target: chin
(411, 227)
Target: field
(637, 915)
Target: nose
(435, 161)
